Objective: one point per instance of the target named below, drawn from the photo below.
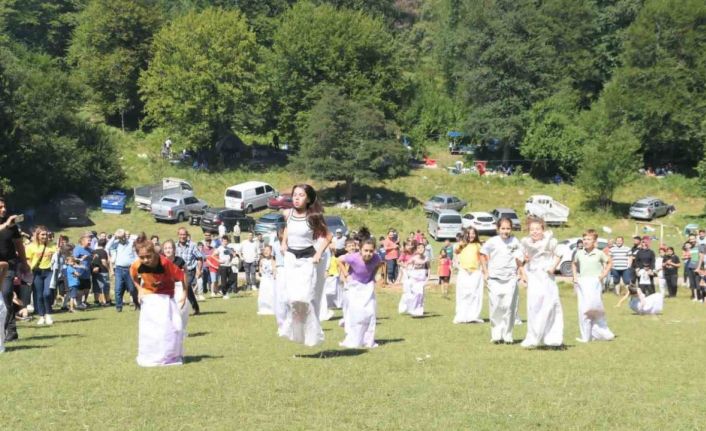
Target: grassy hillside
(397, 203)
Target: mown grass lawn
(426, 374)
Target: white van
(249, 196)
(445, 224)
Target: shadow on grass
(204, 313)
(328, 354)
(198, 334)
(379, 197)
(74, 320)
(427, 316)
(334, 318)
(11, 348)
(49, 337)
(199, 358)
(562, 348)
(384, 341)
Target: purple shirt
(360, 271)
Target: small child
(332, 286)
(74, 271)
(268, 272)
(350, 249)
(444, 271)
(418, 275)
(358, 273)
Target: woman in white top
(305, 239)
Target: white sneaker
(226, 297)
(200, 298)
(40, 321)
(48, 320)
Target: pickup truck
(176, 207)
(546, 208)
(145, 195)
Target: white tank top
(299, 234)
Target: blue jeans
(123, 282)
(101, 284)
(391, 270)
(43, 295)
(624, 274)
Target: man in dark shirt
(645, 259)
(671, 266)
(12, 251)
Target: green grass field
(426, 374)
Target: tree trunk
(349, 189)
(122, 120)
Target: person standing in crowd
(236, 232)
(83, 255)
(392, 253)
(180, 289)
(39, 255)
(187, 250)
(222, 231)
(124, 250)
(225, 253)
(469, 281)
(58, 277)
(670, 266)
(268, 273)
(100, 274)
(545, 318)
(161, 337)
(659, 270)
(590, 267)
(501, 257)
(358, 271)
(304, 240)
(248, 250)
(645, 259)
(209, 275)
(339, 243)
(622, 258)
(156, 243)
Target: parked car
(176, 207)
(443, 201)
(270, 222)
(195, 217)
(566, 249)
(335, 222)
(483, 223)
(213, 217)
(145, 195)
(649, 208)
(548, 209)
(499, 213)
(249, 196)
(281, 202)
(70, 210)
(444, 224)
(114, 202)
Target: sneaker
(200, 298)
(119, 309)
(226, 297)
(40, 321)
(82, 306)
(48, 320)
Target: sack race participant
(332, 286)
(266, 292)
(502, 256)
(545, 318)
(161, 330)
(357, 271)
(469, 282)
(417, 276)
(590, 267)
(404, 274)
(305, 226)
(641, 304)
(280, 289)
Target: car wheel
(565, 269)
(249, 209)
(180, 218)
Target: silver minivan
(249, 196)
(444, 224)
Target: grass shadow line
(427, 316)
(328, 354)
(204, 313)
(199, 358)
(12, 348)
(384, 341)
(198, 334)
(73, 320)
(49, 337)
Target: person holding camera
(13, 260)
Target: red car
(283, 201)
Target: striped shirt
(620, 257)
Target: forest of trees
(584, 88)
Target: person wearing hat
(339, 243)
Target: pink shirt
(444, 267)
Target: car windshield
(485, 219)
(509, 215)
(640, 205)
(450, 219)
(438, 200)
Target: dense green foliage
(524, 79)
(202, 80)
(345, 140)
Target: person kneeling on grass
(161, 330)
(641, 304)
(357, 271)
